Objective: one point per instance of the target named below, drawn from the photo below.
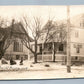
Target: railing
(49, 52)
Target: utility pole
(68, 41)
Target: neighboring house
(76, 46)
(17, 50)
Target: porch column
(28, 55)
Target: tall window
(76, 34)
(18, 47)
(61, 47)
(78, 47)
(80, 24)
(77, 50)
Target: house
(16, 49)
(45, 50)
(76, 45)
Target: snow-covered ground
(39, 71)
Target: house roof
(19, 30)
(14, 30)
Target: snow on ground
(39, 71)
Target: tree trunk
(54, 56)
(1, 54)
(35, 58)
(53, 51)
(35, 53)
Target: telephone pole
(68, 41)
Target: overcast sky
(56, 12)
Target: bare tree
(57, 34)
(61, 35)
(33, 29)
(5, 40)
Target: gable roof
(17, 30)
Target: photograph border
(43, 2)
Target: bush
(31, 65)
(47, 65)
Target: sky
(45, 12)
